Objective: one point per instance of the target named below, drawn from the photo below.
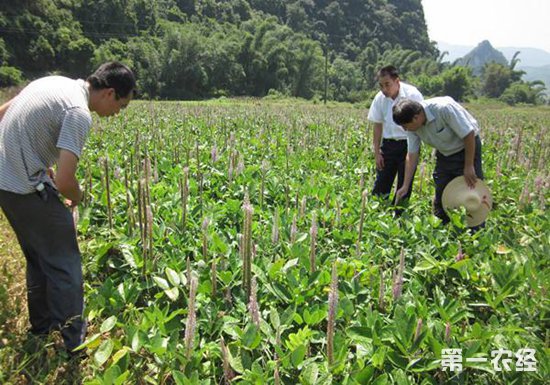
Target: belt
(393, 140)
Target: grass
(12, 285)
(23, 359)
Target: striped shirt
(447, 124)
(49, 114)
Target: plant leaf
(108, 324)
(104, 351)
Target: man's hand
(72, 204)
(51, 174)
(399, 194)
(470, 176)
(410, 166)
(379, 160)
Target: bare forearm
(70, 189)
(377, 137)
(469, 149)
(410, 167)
(66, 181)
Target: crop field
(237, 242)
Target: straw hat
(477, 201)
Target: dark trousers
(46, 234)
(446, 169)
(394, 153)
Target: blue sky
(505, 23)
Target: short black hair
(390, 71)
(114, 75)
(405, 110)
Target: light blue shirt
(447, 124)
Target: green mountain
(482, 54)
(203, 48)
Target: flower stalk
(398, 277)
(228, 373)
(313, 245)
(361, 221)
(332, 312)
(184, 194)
(253, 306)
(246, 244)
(191, 323)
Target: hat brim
(457, 192)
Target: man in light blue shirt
(446, 125)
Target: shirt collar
(86, 92)
(401, 93)
(428, 112)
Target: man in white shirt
(47, 124)
(389, 139)
(446, 125)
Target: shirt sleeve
(413, 143)
(416, 96)
(375, 111)
(459, 120)
(74, 130)
(409, 91)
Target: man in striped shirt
(47, 124)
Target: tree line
(193, 49)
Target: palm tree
(515, 75)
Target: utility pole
(322, 37)
(326, 69)
(326, 72)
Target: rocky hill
(534, 61)
(482, 54)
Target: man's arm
(410, 166)
(65, 179)
(376, 141)
(469, 154)
(4, 107)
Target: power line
(27, 31)
(82, 21)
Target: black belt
(393, 140)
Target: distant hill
(534, 61)
(529, 57)
(482, 54)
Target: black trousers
(446, 169)
(394, 153)
(45, 231)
